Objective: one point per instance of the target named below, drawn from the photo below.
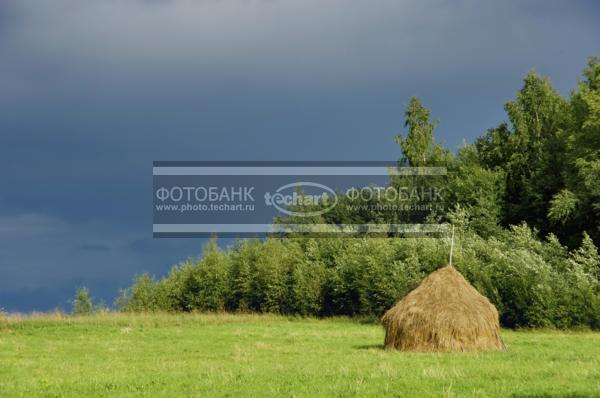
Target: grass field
(251, 355)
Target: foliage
(82, 302)
(532, 283)
(419, 147)
(477, 190)
(562, 206)
(525, 199)
(550, 155)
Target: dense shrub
(82, 302)
(533, 283)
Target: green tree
(305, 276)
(243, 258)
(268, 277)
(533, 171)
(82, 302)
(587, 257)
(419, 147)
(476, 190)
(141, 296)
(576, 208)
(531, 153)
(210, 276)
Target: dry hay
(445, 313)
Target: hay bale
(445, 313)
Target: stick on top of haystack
(444, 313)
(451, 245)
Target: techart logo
(291, 198)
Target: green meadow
(131, 355)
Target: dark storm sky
(92, 91)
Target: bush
(141, 296)
(82, 302)
(533, 283)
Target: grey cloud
(293, 42)
(94, 90)
(95, 247)
(38, 252)
(41, 252)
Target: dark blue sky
(92, 91)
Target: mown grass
(264, 355)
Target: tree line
(525, 198)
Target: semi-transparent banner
(198, 199)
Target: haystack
(445, 313)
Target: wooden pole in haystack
(451, 245)
(444, 313)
